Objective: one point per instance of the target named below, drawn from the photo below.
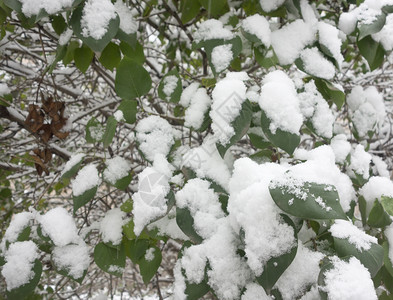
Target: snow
(72, 258)
(149, 201)
(93, 26)
(205, 161)
(316, 64)
(149, 256)
(360, 162)
(366, 108)
(4, 89)
(348, 280)
(19, 258)
(118, 115)
(347, 23)
(198, 103)
(329, 37)
(343, 229)
(308, 12)
(19, 222)
(155, 136)
(380, 167)
(170, 83)
(59, 225)
(300, 274)
(228, 97)
(203, 204)
(33, 7)
(341, 147)
(111, 226)
(221, 57)
(228, 273)
(73, 161)
(280, 103)
(86, 179)
(254, 291)
(251, 208)
(212, 29)
(290, 40)
(375, 188)
(270, 5)
(65, 37)
(314, 107)
(116, 168)
(259, 26)
(127, 22)
(188, 93)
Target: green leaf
(257, 141)
(83, 57)
(308, 201)
(148, 268)
(378, 217)
(387, 203)
(14, 4)
(186, 223)
(135, 53)
(189, 10)
(111, 56)
(129, 109)
(69, 55)
(25, 290)
(94, 131)
(71, 172)
(130, 39)
(265, 58)
(81, 200)
(276, 266)
(24, 235)
(372, 258)
(59, 24)
(214, 8)
(132, 80)
(240, 125)
(110, 131)
(386, 260)
(123, 183)
(128, 230)
(136, 249)
(376, 26)
(196, 291)
(287, 141)
(330, 92)
(372, 51)
(110, 260)
(175, 93)
(95, 45)
(127, 206)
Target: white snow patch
(116, 168)
(19, 258)
(72, 258)
(212, 29)
(221, 57)
(127, 22)
(259, 26)
(96, 17)
(111, 226)
(349, 280)
(86, 179)
(290, 40)
(316, 64)
(343, 229)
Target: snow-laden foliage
(185, 149)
